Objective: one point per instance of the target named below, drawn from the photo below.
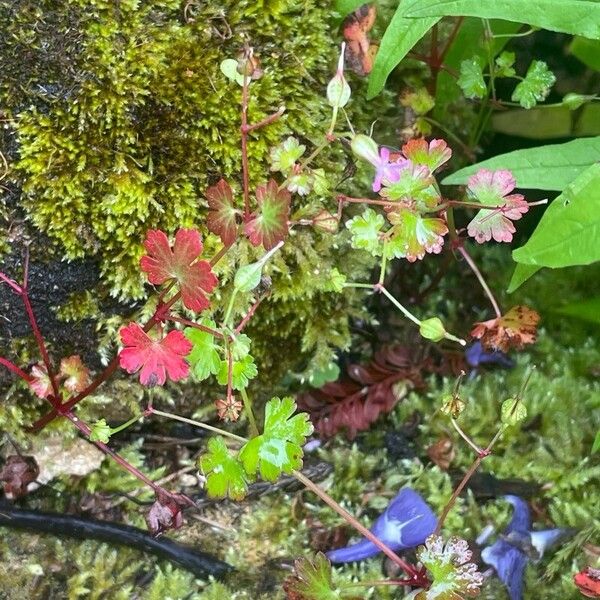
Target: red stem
(244, 136)
(13, 284)
(451, 38)
(12, 367)
(249, 315)
(195, 325)
(266, 121)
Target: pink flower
(387, 171)
(194, 277)
(491, 188)
(157, 359)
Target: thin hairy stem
(481, 280)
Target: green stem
(229, 308)
(249, 413)
(383, 263)
(125, 425)
(222, 432)
(399, 306)
(368, 286)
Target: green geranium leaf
(336, 281)
(513, 411)
(229, 69)
(100, 432)
(536, 85)
(204, 359)
(243, 370)
(225, 475)
(365, 231)
(279, 448)
(240, 347)
(471, 80)
(284, 155)
(504, 64)
(312, 579)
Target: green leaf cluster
(277, 450)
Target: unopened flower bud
(326, 221)
(366, 148)
(432, 329)
(248, 64)
(338, 90)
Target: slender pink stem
(417, 577)
(195, 325)
(342, 199)
(266, 121)
(12, 367)
(481, 280)
(249, 315)
(13, 284)
(229, 374)
(244, 136)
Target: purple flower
(387, 171)
(476, 355)
(509, 554)
(406, 523)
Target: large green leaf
(399, 37)
(578, 17)
(586, 310)
(550, 167)
(520, 275)
(587, 51)
(345, 7)
(569, 232)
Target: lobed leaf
(225, 475)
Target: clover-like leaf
(225, 475)
(242, 371)
(471, 80)
(504, 64)
(76, 374)
(194, 277)
(366, 230)
(536, 85)
(279, 448)
(493, 189)
(221, 218)
(284, 155)
(413, 235)
(154, 358)
(269, 225)
(204, 359)
(311, 580)
(100, 431)
(301, 183)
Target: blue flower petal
(509, 563)
(406, 522)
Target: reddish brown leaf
(40, 381)
(360, 53)
(194, 277)
(269, 225)
(369, 391)
(221, 219)
(76, 374)
(442, 453)
(17, 473)
(512, 330)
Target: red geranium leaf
(163, 263)
(221, 219)
(269, 225)
(76, 374)
(512, 330)
(588, 582)
(40, 381)
(157, 359)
